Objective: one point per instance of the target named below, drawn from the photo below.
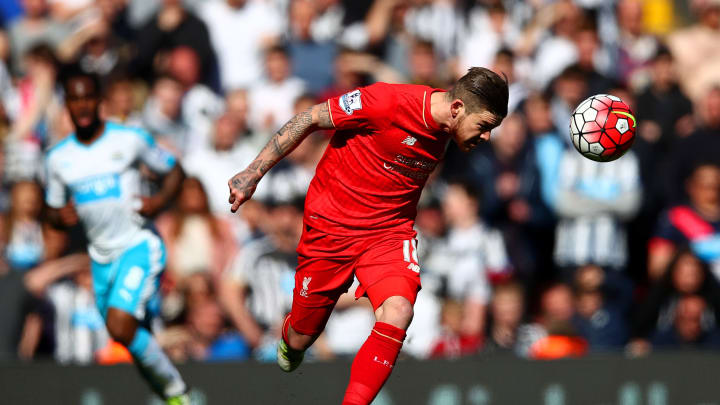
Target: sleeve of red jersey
(363, 107)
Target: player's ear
(456, 107)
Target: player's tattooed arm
(285, 140)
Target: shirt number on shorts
(410, 252)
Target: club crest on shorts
(306, 282)
(350, 102)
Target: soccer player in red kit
(361, 205)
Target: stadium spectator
(507, 309)
(686, 275)
(504, 64)
(162, 115)
(34, 107)
(508, 175)
(348, 325)
(568, 90)
(229, 146)
(469, 256)
(25, 239)
(636, 46)
(551, 53)
(95, 48)
(697, 148)
(663, 110)
(196, 240)
(257, 290)
(256, 23)
(688, 329)
(203, 336)
(22, 300)
(119, 102)
(79, 330)
(547, 143)
(593, 203)
(591, 59)
(438, 22)
(171, 27)
(602, 301)
(200, 105)
(489, 30)
(696, 224)
(272, 99)
(452, 342)
(312, 61)
(552, 334)
(697, 49)
(424, 67)
(35, 27)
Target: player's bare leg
(376, 358)
(152, 362)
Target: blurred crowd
(525, 246)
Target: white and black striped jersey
(269, 275)
(593, 202)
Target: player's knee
(121, 327)
(397, 311)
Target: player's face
(472, 129)
(82, 101)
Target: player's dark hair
(73, 72)
(480, 89)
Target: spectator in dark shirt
(663, 110)
(701, 146)
(687, 330)
(506, 314)
(602, 300)
(696, 224)
(588, 46)
(510, 181)
(312, 61)
(686, 275)
(171, 27)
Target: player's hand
(150, 206)
(242, 186)
(68, 215)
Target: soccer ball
(602, 128)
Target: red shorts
(385, 264)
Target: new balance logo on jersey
(306, 282)
(414, 267)
(409, 141)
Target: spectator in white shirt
(239, 30)
(271, 101)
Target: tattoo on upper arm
(324, 119)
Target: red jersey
(376, 165)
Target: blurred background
(526, 247)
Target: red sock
(373, 364)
